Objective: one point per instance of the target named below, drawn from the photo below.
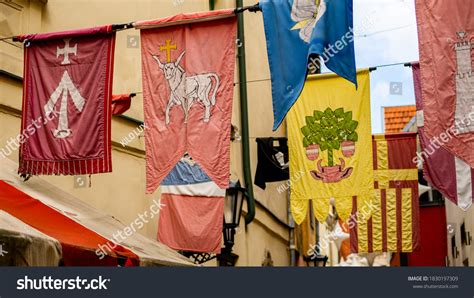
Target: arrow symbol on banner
(65, 86)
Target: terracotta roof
(396, 118)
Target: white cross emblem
(65, 86)
(2, 252)
(66, 51)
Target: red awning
(78, 243)
(43, 209)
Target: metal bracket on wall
(198, 258)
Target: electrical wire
(371, 68)
(386, 30)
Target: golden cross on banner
(383, 174)
(168, 47)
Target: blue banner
(294, 30)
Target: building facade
(266, 240)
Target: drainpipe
(292, 244)
(244, 117)
(317, 70)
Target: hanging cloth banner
(394, 225)
(188, 72)
(447, 173)
(330, 145)
(446, 74)
(295, 29)
(193, 208)
(272, 163)
(67, 89)
(121, 103)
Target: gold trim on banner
(407, 220)
(363, 237)
(365, 209)
(391, 219)
(382, 161)
(377, 231)
(382, 152)
(384, 176)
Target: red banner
(67, 102)
(446, 42)
(194, 205)
(444, 171)
(188, 75)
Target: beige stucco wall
(455, 218)
(122, 193)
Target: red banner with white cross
(67, 87)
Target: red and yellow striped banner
(394, 225)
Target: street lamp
(316, 260)
(233, 202)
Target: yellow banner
(330, 142)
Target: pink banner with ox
(67, 102)
(446, 33)
(188, 73)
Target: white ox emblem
(185, 90)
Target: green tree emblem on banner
(329, 131)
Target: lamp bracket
(198, 257)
